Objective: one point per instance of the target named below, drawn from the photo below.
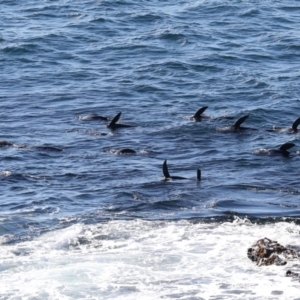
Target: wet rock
(266, 252)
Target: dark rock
(266, 252)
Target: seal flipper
(199, 112)
(295, 125)
(165, 170)
(114, 120)
(286, 146)
(198, 175)
(239, 122)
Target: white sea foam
(148, 260)
(5, 173)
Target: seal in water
(92, 117)
(113, 124)
(126, 151)
(294, 128)
(4, 143)
(168, 177)
(41, 148)
(199, 114)
(237, 125)
(281, 151)
(48, 148)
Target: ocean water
(89, 223)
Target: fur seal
(92, 117)
(48, 148)
(237, 125)
(294, 128)
(41, 148)
(4, 143)
(168, 177)
(199, 114)
(126, 151)
(114, 125)
(283, 150)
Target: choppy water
(87, 223)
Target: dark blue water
(156, 62)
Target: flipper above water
(294, 128)
(237, 126)
(165, 170)
(286, 146)
(239, 122)
(295, 125)
(199, 112)
(282, 150)
(114, 125)
(115, 119)
(167, 174)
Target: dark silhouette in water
(168, 177)
(283, 150)
(114, 125)
(294, 128)
(47, 148)
(199, 114)
(237, 125)
(126, 151)
(4, 143)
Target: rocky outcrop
(266, 252)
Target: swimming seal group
(197, 117)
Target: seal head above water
(4, 143)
